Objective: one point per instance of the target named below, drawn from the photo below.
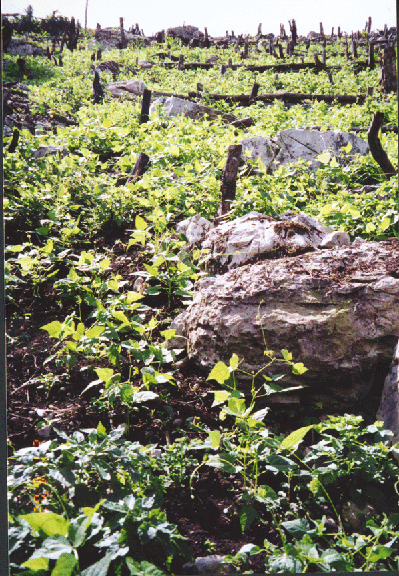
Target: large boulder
(336, 310)
(175, 106)
(185, 33)
(256, 236)
(295, 143)
(388, 411)
(50, 150)
(131, 89)
(22, 47)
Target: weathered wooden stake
(122, 34)
(138, 168)
(321, 29)
(354, 48)
(254, 91)
(339, 32)
(371, 62)
(21, 67)
(98, 92)
(376, 149)
(324, 57)
(60, 63)
(229, 177)
(260, 30)
(14, 141)
(93, 57)
(369, 91)
(230, 63)
(246, 48)
(99, 54)
(223, 69)
(145, 106)
(388, 78)
(180, 65)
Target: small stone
(336, 238)
(213, 565)
(156, 453)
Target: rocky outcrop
(388, 411)
(256, 236)
(175, 106)
(336, 310)
(130, 89)
(293, 144)
(50, 150)
(22, 47)
(185, 33)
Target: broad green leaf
(48, 248)
(49, 522)
(73, 275)
(140, 223)
(223, 462)
(326, 210)
(247, 515)
(64, 565)
(234, 362)
(101, 431)
(299, 368)
(286, 355)
(236, 405)
(121, 317)
(100, 568)
(168, 334)
(347, 148)
(378, 553)
(107, 122)
(386, 222)
(160, 260)
(220, 397)
(324, 158)
(104, 264)
(220, 373)
(370, 227)
(133, 296)
(37, 564)
(214, 435)
(94, 332)
(144, 396)
(298, 528)
(143, 568)
(295, 437)
(104, 374)
(54, 329)
(16, 248)
(153, 270)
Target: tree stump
(371, 62)
(138, 168)
(98, 92)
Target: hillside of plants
(125, 458)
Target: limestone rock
(178, 342)
(185, 33)
(336, 238)
(254, 235)
(50, 150)
(336, 310)
(22, 47)
(388, 410)
(292, 144)
(214, 564)
(175, 106)
(194, 228)
(129, 88)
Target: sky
(219, 15)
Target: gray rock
(23, 48)
(336, 238)
(49, 150)
(355, 515)
(213, 565)
(254, 235)
(185, 33)
(293, 144)
(388, 410)
(336, 310)
(194, 228)
(175, 106)
(131, 89)
(179, 341)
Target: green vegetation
(90, 502)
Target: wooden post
(339, 32)
(122, 34)
(246, 48)
(292, 24)
(99, 54)
(145, 106)
(354, 49)
(98, 93)
(138, 168)
(21, 67)
(200, 88)
(332, 33)
(280, 49)
(60, 61)
(223, 69)
(371, 62)
(229, 176)
(369, 25)
(346, 47)
(324, 55)
(207, 42)
(14, 141)
(369, 91)
(376, 149)
(321, 29)
(230, 63)
(87, 2)
(260, 30)
(254, 91)
(93, 57)
(180, 65)
(388, 78)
